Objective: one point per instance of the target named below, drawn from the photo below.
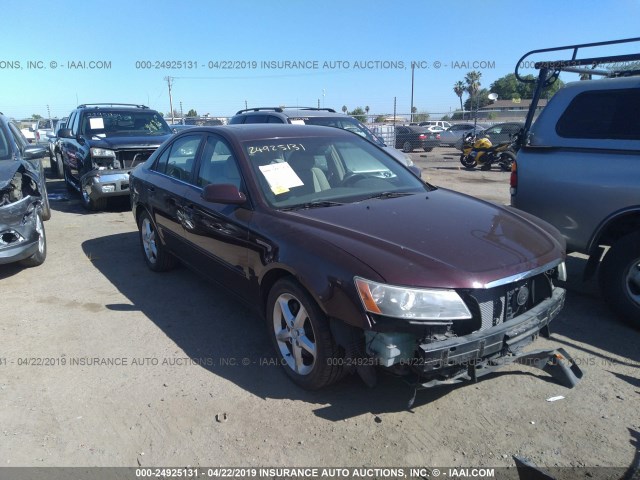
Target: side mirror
(417, 171)
(33, 152)
(64, 133)
(224, 193)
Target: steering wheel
(351, 178)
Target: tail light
(37, 135)
(422, 136)
(513, 181)
(437, 136)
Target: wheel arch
(616, 226)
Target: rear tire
(506, 160)
(619, 278)
(406, 147)
(428, 149)
(59, 165)
(155, 254)
(300, 333)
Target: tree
(421, 116)
(344, 109)
(192, 113)
(509, 88)
(479, 100)
(472, 79)
(446, 118)
(359, 113)
(379, 119)
(459, 88)
(366, 109)
(35, 116)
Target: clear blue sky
(123, 32)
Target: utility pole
(169, 82)
(49, 114)
(181, 114)
(394, 111)
(245, 105)
(412, 69)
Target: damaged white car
(23, 198)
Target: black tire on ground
(301, 336)
(619, 278)
(406, 147)
(46, 208)
(155, 254)
(428, 149)
(506, 160)
(59, 165)
(467, 162)
(39, 257)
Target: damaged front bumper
(105, 183)
(18, 234)
(468, 357)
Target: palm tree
(459, 88)
(366, 109)
(473, 85)
(344, 109)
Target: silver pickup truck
(579, 169)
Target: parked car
(578, 170)
(42, 128)
(55, 155)
(350, 258)
(178, 127)
(24, 205)
(410, 137)
(435, 123)
(103, 143)
(28, 133)
(498, 133)
(327, 117)
(456, 132)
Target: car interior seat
(313, 178)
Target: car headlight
(102, 153)
(411, 303)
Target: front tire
(467, 162)
(39, 257)
(620, 278)
(301, 336)
(91, 204)
(155, 254)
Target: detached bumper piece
(18, 234)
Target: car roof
(293, 112)
(257, 131)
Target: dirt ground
(104, 363)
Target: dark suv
(326, 117)
(102, 144)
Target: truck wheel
(59, 165)
(156, 256)
(301, 336)
(91, 204)
(39, 257)
(406, 147)
(620, 278)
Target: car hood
(129, 142)
(398, 155)
(436, 239)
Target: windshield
(346, 123)
(109, 124)
(299, 171)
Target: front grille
(132, 158)
(493, 306)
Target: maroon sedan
(353, 261)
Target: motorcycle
(480, 151)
